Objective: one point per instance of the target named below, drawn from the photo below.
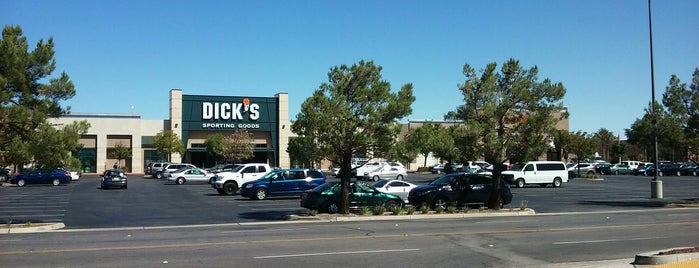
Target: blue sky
(125, 56)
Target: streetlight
(656, 185)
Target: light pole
(656, 185)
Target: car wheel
(520, 183)
(261, 194)
(21, 183)
(212, 180)
(56, 182)
(391, 204)
(557, 182)
(375, 178)
(399, 177)
(441, 203)
(333, 208)
(616, 172)
(229, 188)
(221, 191)
(180, 181)
(158, 175)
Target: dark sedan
(41, 176)
(114, 178)
(665, 170)
(326, 197)
(459, 189)
(689, 169)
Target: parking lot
(152, 202)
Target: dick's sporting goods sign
(228, 113)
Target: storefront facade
(192, 118)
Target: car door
(198, 175)
(399, 188)
(279, 183)
(360, 196)
(479, 189)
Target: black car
(688, 169)
(641, 169)
(114, 178)
(664, 170)
(5, 173)
(460, 189)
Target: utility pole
(656, 185)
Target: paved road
(151, 202)
(597, 239)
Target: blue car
(41, 176)
(283, 182)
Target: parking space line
(336, 253)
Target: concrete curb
(416, 216)
(652, 258)
(33, 229)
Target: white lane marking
(605, 240)
(263, 230)
(335, 253)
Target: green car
(326, 198)
(620, 169)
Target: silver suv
(169, 167)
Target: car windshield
(441, 181)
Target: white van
(537, 172)
(632, 164)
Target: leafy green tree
(422, 139)
(303, 151)
(444, 144)
(354, 112)
(28, 95)
(215, 144)
(239, 146)
(511, 114)
(604, 139)
(683, 106)
(561, 141)
(168, 142)
(618, 150)
(402, 152)
(52, 147)
(582, 145)
(121, 152)
(667, 128)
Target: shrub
(439, 210)
(423, 169)
(313, 212)
(397, 210)
(379, 210)
(523, 205)
(365, 211)
(451, 209)
(410, 210)
(424, 209)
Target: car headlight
(249, 186)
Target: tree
(667, 129)
(582, 145)
(618, 150)
(121, 152)
(167, 142)
(239, 146)
(604, 139)
(215, 144)
(52, 147)
(683, 106)
(561, 141)
(402, 152)
(511, 114)
(26, 100)
(354, 112)
(303, 151)
(422, 139)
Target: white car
(387, 171)
(185, 175)
(74, 175)
(396, 187)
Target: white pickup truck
(228, 182)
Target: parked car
(168, 168)
(542, 173)
(221, 167)
(228, 182)
(603, 168)
(187, 174)
(154, 167)
(396, 187)
(641, 169)
(583, 168)
(669, 170)
(114, 178)
(387, 171)
(5, 174)
(41, 176)
(326, 197)
(689, 169)
(436, 169)
(620, 169)
(366, 167)
(335, 172)
(458, 189)
(283, 182)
